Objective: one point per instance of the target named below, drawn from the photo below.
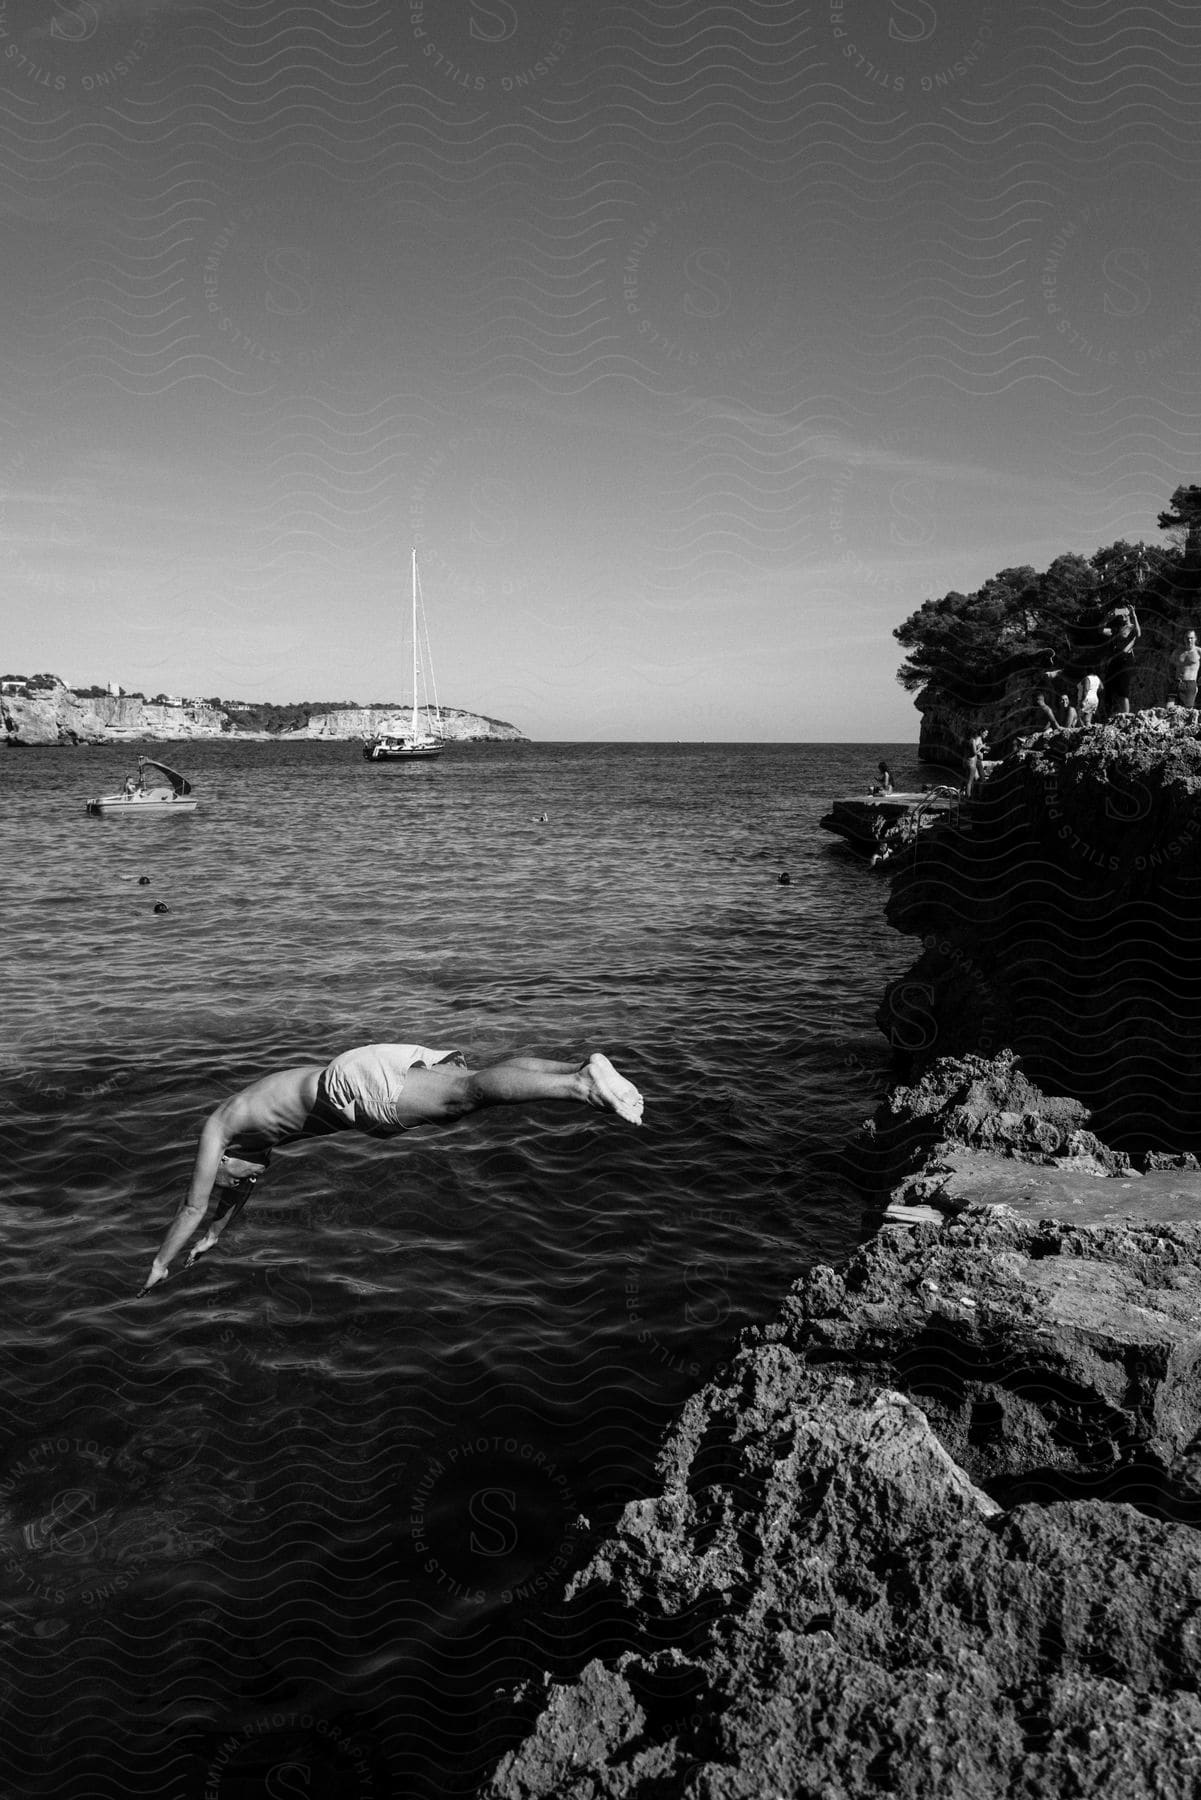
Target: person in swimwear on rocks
(1188, 661)
(379, 1089)
(1123, 628)
(973, 763)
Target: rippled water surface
(295, 1516)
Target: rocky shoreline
(56, 715)
(936, 1529)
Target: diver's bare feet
(611, 1091)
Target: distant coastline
(43, 710)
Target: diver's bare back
(272, 1111)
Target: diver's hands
(158, 1272)
(206, 1243)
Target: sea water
(302, 1514)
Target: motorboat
(156, 791)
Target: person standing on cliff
(1188, 661)
(379, 1089)
(973, 763)
(1123, 630)
(1088, 697)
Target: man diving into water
(380, 1089)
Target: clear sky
(694, 345)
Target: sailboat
(421, 741)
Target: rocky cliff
(1061, 921)
(948, 722)
(55, 715)
(937, 1530)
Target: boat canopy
(158, 775)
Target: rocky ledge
(933, 1536)
(937, 1530)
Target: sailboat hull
(381, 752)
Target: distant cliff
(365, 721)
(56, 715)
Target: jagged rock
(982, 1103)
(1033, 1345)
(972, 1095)
(844, 1583)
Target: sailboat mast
(414, 642)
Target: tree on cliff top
(1183, 519)
(958, 643)
(967, 645)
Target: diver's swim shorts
(363, 1087)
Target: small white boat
(420, 742)
(156, 791)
